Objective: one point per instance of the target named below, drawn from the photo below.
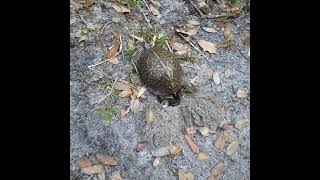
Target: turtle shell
(160, 71)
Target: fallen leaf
(121, 86)
(241, 94)
(102, 176)
(207, 46)
(219, 143)
(149, 116)
(154, 10)
(90, 26)
(190, 26)
(207, 29)
(216, 78)
(227, 73)
(156, 161)
(72, 21)
(82, 38)
(232, 147)
(240, 124)
(141, 91)
(185, 175)
(83, 162)
(180, 52)
(92, 169)
(125, 93)
(135, 105)
(195, 23)
(113, 50)
(162, 151)
(179, 47)
(175, 149)
(88, 3)
(120, 9)
(116, 176)
(190, 130)
(227, 137)
(192, 145)
(106, 160)
(216, 171)
(140, 146)
(202, 156)
(189, 33)
(173, 39)
(204, 131)
(206, 72)
(156, 3)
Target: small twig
(190, 43)
(243, 55)
(199, 11)
(145, 17)
(105, 26)
(84, 21)
(146, 5)
(137, 38)
(168, 46)
(107, 96)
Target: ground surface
(209, 106)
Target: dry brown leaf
(179, 47)
(192, 145)
(206, 72)
(92, 169)
(219, 143)
(216, 78)
(241, 93)
(227, 137)
(204, 131)
(116, 176)
(183, 175)
(149, 116)
(106, 160)
(113, 50)
(140, 146)
(208, 29)
(135, 105)
(125, 93)
(202, 156)
(156, 161)
(175, 149)
(240, 124)
(181, 52)
(162, 151)
(88, 3)
(121, 86)
(195, 23)
(102, 176)
(141, 91)
(232, 147)
(154, 10)
(190, 130)
(156, 3)
(120, 9)
(83, 162)
(116, 34)
(227, 73)
(190, 26)
(207, 46)
(189, 33)
(216, 171)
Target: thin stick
(146, 5)
(168, 46)
(84, 21)
(105, 26)
(145, 17)
(137, 38)
(190, 43)
(199, 11)
(107, 96)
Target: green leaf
(107, 114)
